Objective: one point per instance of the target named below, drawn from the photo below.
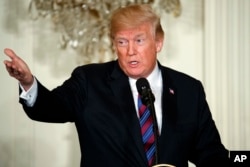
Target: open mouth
(133, 62)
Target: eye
(122, 42)
(140, 41)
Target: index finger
(10, 53)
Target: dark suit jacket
(98, 99)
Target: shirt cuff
(30, 95)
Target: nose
(131, 49)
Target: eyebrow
(139, 35)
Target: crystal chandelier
(83, 24)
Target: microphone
(145, 92)
(148, 99)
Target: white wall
(202, 42)
(23, 142)
(227, 68)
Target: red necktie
(146, 122)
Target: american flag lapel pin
(171, 91)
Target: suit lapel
(169, 108)
(169, 100)
(119, 84)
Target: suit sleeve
(60, 104)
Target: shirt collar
(154, 79)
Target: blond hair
(133, 16)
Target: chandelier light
(83, 24)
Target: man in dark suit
(101, 100)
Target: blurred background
(209, 40)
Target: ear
(159, 44)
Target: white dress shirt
(155, 81)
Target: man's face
(137, 49)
